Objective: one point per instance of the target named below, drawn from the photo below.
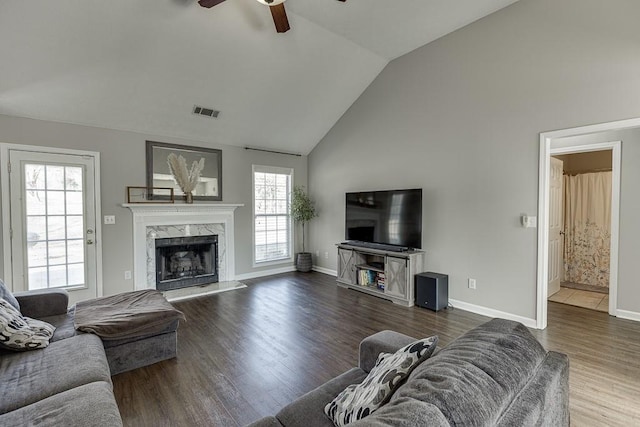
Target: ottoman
(135, 352)
(137, 328)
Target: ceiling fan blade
(209, 3)
(280, 18)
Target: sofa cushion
(35, 375)
(22, 333)
(359, 400)
(404, 413)
(64, 326)
(90, 405)
(6, 295)
(308, 410)
(474, 379)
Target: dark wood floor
(244, 354)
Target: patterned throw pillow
(22, 333)
(359, 400)
(8, 296)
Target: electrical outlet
(127, 275)
(109, 219)
(472, 283)
(326, 255)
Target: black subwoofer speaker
(432, 290)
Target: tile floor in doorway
(580, 298)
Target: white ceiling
(141, 65)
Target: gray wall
(122, 157)
(461, 118)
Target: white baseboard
(325, 271)
(263, 273)
(490, 312)
(629, 315)
(288, 269)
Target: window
(272, 218)
(55, 225)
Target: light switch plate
(529, 221)
(109, 219)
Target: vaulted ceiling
(142, 65)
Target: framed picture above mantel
(209, 186)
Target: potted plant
(302, 211)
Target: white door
(556, 225)
(53, 223)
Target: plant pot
(188, 197)
(303, 262)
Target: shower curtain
(588, 228)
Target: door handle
(562, 233)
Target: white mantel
(152, 215)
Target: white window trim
(268, 169)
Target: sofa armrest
(43, 303)
(383, 341)
(544, 400)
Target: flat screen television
(391, 217)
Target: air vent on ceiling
(207, 112)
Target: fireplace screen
(186, 261)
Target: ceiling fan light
(270, 2)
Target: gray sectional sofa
(67, 383)
(497, 374)
(122, 354)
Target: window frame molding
(278, 170)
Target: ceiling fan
(276, 7)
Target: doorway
(580, 229)
(50, 219)
(576, 140)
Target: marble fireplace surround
(152, 221)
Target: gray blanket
(126, 315)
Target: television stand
(384, 273)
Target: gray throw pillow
(22, 333)
(6, 294)
(359, 400)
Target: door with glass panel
(53, 223)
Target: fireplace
(153, 221)
(186, 261)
